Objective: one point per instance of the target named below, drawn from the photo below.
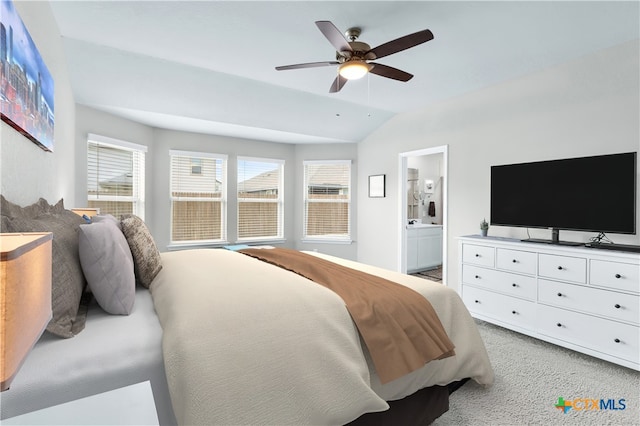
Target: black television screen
(596, 194)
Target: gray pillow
(106, 217)
(68, 283)
(107, 263)
(146, 257)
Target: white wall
(27, 171)
(585, 107)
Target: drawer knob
(477, 277)
(514, 261)
(617, 306)
(618, 276)
(513, 312)
(617, 340)
(559, 325)
(559, 294)
(477, 255)
(477, 301)
(514, 285)
(560, 268)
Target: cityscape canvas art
(26, 86)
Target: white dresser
(584, 299)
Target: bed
(225, 338)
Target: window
(196, 166)
(260, 198)
(327, 200)
(115, 176)
(198, 200)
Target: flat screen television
(593, 194)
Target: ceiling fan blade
(401, 43)
(338, 84)
(335, 37)
(390, 72)
(307, 65)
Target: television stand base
(558, 243)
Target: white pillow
(107, 264)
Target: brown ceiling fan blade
(335, 37)
(390, 72)
(402, 43)
(307, 65)
(338, 84)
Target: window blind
(260, 198)
(327, 200)
(198, 197)
(115, 176)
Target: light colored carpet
(531, 375)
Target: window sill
(249, 241)
(204, 244)
(325, 241)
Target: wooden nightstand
(130, 405)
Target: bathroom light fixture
(354, 69)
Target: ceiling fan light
(354, 70)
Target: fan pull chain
(369, 94)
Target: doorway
(423, 181)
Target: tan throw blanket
(399, 326)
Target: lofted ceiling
(209, 66)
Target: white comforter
(246, 342)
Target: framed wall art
(377, 186)
(26, 86)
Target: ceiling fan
(353, 57)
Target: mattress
(111, 352)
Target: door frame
(402, 188)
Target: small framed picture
(377, 186)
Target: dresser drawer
(618, 306)
(502, 282)
(564, 268)
(615, 275)
(478, 255)
(524, 262)
(518, 312)
(609, 337)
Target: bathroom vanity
(424, 247)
